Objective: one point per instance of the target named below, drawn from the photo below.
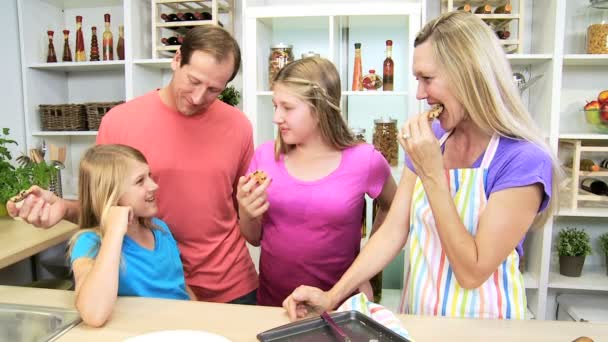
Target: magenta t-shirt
(311, 232)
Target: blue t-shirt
(157, 273)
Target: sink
(29, 323)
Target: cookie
(259, 176)
(434, 112)
(20, 196)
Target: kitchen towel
(379, 313)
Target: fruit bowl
(595, 119)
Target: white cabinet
(103, 81)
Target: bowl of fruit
(596, 112)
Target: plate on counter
(178, 335)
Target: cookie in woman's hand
(434, 112)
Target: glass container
(597, 27)
(385, 139)
(280, 55)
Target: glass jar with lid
(385, 139)
(280, 55)
(597, 27)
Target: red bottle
(388, 67)
(80, 54)
(51, 57)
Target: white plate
(178, 335)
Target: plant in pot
(573, 245)
(604, 246)
(14, 179)
(230, 95)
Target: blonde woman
(476, 180)
(122, 249)
(307, 214)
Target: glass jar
(385, 139)
(359, 134)
(597, 29)
(280, 55)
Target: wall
(11, 116)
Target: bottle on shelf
(169, 17)
(80, 54)
(358, 69)
(372, 81)
(595, 186)
(108, 43)
(173, 40)
(584, 165)
(465, 7)
(120, 46)
(388, 67)
(188, 16)
(51, 57)
(503, 34)
(504, 9)
(67, 52)
(483, 9)
(604, 164)
(203, 16)
(94, 45)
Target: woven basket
(63, 117)
(96, 111)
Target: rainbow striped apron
(430, 287)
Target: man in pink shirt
(197, 147)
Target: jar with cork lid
(597, 27)
(385, 139)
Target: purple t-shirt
(516, 163)
(311, 232)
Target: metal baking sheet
(358, 327)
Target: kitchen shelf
(530, 281)
(585, 60)
(80, 66)
(529, 59)
(583, 212)
(158, 63)
(63, 133)
(583, 136)
(593, 278)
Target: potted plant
(573, 245)
(230, 95)
(604, 246)
(15, 178)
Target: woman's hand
(421, 145)
(306, 300)
(252, 197)
(117, 220)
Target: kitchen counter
(20, 240)
(134, 316)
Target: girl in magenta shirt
(307, 214)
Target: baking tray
(358, 327)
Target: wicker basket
(96, 111)
(63, 117)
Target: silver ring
(406, 136)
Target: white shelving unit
(80, 82)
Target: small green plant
(573, 242)
(230, 95)
(604, 243)
(14, 179)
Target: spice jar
(359, 134)
(597, 29)
(372, 81)
(385, 139)
(280, 55)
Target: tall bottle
(51, 57)
(108, 50)
(358, 69)
(80, 54)
(388, 67)
(120, 46)
(94, 45)
(67, 52)
(595, 186)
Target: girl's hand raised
(116, 220)
(252, 196)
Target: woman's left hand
(421, 145)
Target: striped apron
(430, 286)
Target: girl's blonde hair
(103, 168)
(316, 81)
(480, 77)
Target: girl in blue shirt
(122, 249)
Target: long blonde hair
(316, 81)
(103, 169)
(480, 75)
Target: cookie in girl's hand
(259, 176)
(19, 198)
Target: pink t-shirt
(312, 231)
(196, 162)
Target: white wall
(11, 114)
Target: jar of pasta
(385, 139)
(597, 29)
(280, 55)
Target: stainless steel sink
(25, 323)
